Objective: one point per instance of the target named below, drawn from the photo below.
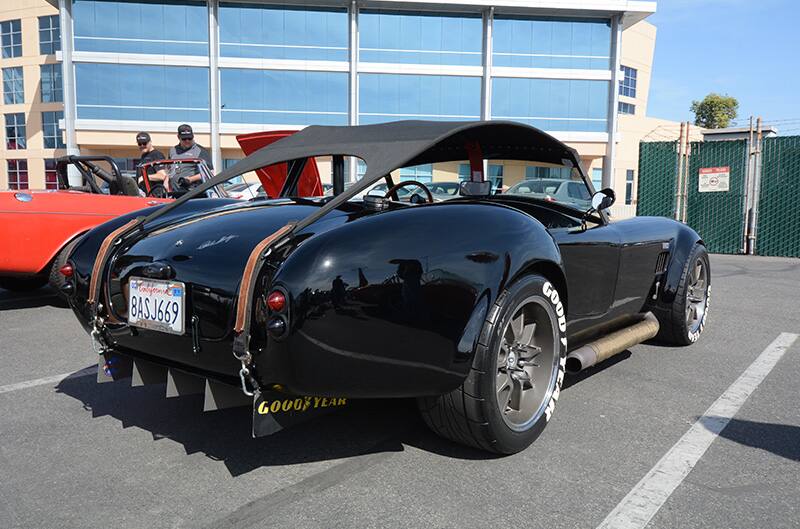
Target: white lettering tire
(515, 380)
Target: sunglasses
(142, 144)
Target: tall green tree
(715, 111)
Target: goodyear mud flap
(274, 411)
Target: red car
(38, 229)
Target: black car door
(591, 262)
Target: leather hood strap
(249, 276)
(101, 260)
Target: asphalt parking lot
(77, 454)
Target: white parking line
(642, 503)
(47, 380)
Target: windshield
(554, 184)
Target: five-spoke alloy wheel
(515, 380)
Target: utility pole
(679, 179)
(751, 250)
(748, 192)
(687, 152)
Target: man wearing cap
(187, 175)
(148, 154)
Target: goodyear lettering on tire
(693, 336)
(552, 294)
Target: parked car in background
(39, 228)
(554, 190)
(245, 190)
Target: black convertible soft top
(386, 147)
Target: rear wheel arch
(553, 273)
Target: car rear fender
(392, 304)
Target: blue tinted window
(265, 32)
(533, 172)
(11, 38)
(51, 131)
(627, 85)
(626, 108)
(15, 131)
(629, 186)
(421, 173)
(142, 93)
(551, 43)
(17, 174)
(13, 86)
(173, 28)
(283, 97)
(49, 34)
(390, 97)
(552, 104)
(52, 88)
(597, 178)
(420, 38)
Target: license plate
(157, 305)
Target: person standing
(148, 154)
(187, 175)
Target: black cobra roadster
(475, 306)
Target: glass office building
(229, 67)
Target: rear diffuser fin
(220, 396)
(146, 373)
(180, 384)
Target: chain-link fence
(658, 167)
(720, 217)
(778, 230)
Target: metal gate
(658, 167)
(778, 228)
(718, 216)
(760, 211)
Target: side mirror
(603, 199)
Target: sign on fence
(714, 179)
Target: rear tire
(22, 284)
(684, 320)
(515, 380)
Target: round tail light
(276, 301)
(66, 270)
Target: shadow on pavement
(43, 297)
(363, 427)
(780, 439)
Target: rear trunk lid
(207, 254)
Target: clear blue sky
(749, 49)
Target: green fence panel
(658, 168)
(778, 231)
(718, 216)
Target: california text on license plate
(157, 305)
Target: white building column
(352, 15)
(213, 83)
(68, 84)
(486, 80)
(613, 101)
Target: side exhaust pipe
(608, 346)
